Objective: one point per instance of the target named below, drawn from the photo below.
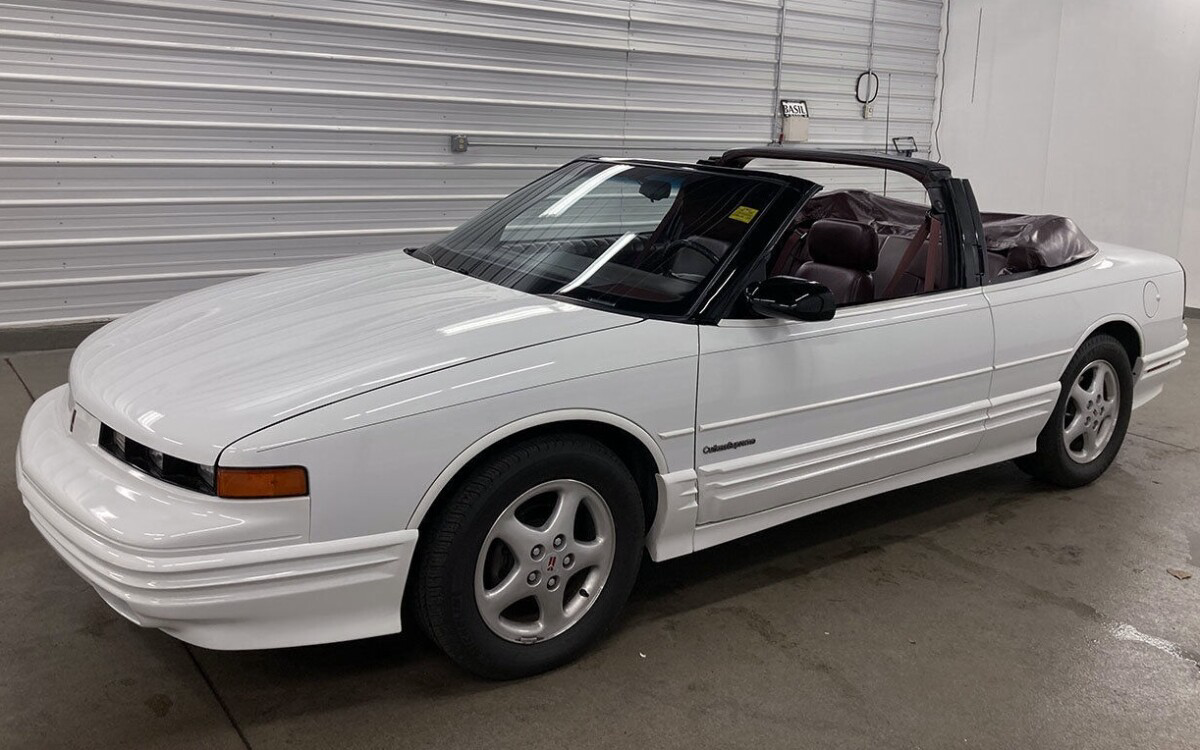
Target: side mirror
(789, 297)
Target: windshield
(631, 237)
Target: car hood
(193, 374)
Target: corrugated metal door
(154, 146)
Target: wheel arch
(634, 445)
(1124, 329)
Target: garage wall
(150, 147)
(1085, 108)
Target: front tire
(532, 557)
(1088, 423)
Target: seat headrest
(845, 244)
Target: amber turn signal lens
(257, 483)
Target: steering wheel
(703, 249)
(674, 246)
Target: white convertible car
(624, 355)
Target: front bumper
(253, 582)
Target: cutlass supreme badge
(732, 444)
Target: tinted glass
(634, 238)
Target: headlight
(235, 483)
(208, 476)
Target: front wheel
(1089, 421)
(532, 558)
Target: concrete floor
(982, 610)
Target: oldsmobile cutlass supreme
(624, 355)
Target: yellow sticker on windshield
(744, 214)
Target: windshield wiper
(421, 255)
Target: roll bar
(927, 172)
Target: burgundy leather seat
(912, 279)
(792, 252)
(844, 255)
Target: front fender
(526, 423)
(377, 461)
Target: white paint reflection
(104, 515)
(128, 492)
(400, 402)
(570, 199)
(598, 263)
(485, 321)
(503, 375)
(396, 377)
(216, 527)
(148, 419)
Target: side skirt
(680, 541)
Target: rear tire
(1088, 423)
(533, 556)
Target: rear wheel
(1089, 421)
(532, 558)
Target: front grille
(169, 469)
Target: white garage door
(154, 146)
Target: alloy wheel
(1093, 406)
(545, 561)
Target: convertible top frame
(928, 173)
